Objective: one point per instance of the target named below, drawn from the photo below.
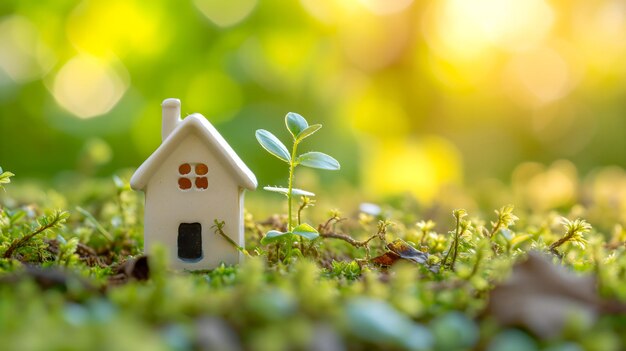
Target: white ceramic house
(192, 179)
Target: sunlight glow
(226, 13)
(464, 29)
(385, 7)
(115, 27)
(422, 167)
(372, 42)
(600, 32)
(541, 75)
(23, 55)
(88, 87)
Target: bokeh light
(115, 27)
(415, 96)
(23, 56)
(385, 7)
(420, 167)
(464, 29)
(226, 13)
(88, 87)
(539, 76)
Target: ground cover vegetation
(386, 276)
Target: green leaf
(306, 231)
(274, 146)
(285, 191)
(319, 160)
(308, 131)
(5, 178)
(295, 123)
(274, 236)
(519, 239)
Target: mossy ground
(73, 286)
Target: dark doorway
(190, 241)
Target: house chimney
(171, 116)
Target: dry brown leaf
(400, 249)
(541, 296)
(408, 252)
(387, 259)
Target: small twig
(495, 228)
(326, 227)
(445, 258)
(351, 241)
(219, 229)
(347, 238)
(306, 202)
(479, 258)
(574, 231)
(23, 240)
(382, 231)
(560, 242)
(454, 246)
(423, 239)
(302, 207)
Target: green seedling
(299, 129)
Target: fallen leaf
(400, 249)
(387, 259)
(408, 252)
(541, 296)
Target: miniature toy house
(193, 178)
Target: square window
(187, 171)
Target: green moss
(329, 294)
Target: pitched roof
(195, 123)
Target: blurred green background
(413, 95)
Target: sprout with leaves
(299, 129)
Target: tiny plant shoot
(299, 129)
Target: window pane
(201, 169)
(202, 183)
(184, 168)
(184, 183)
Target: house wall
(167, 206)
